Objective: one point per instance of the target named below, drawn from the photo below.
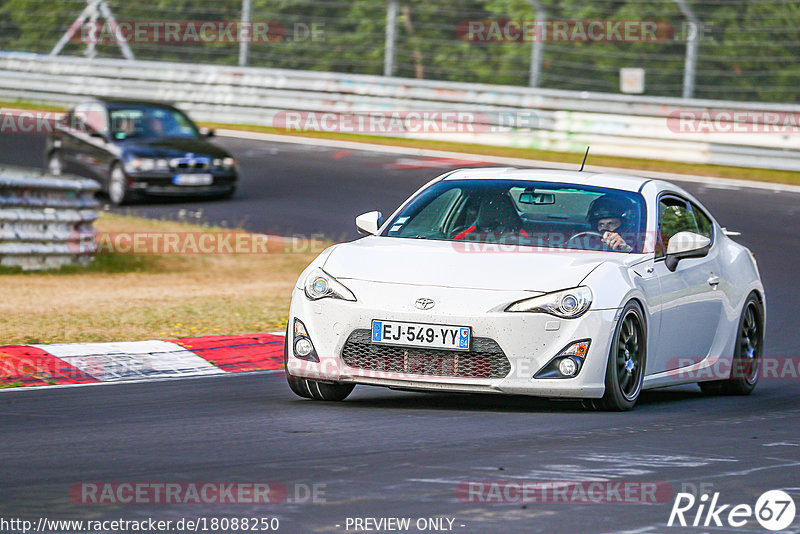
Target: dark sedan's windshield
(150, 121)
(543, 214)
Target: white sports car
(535, 282)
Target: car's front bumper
(162, 185)
(528, 340)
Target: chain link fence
(722, 49)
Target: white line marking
(131, 360)
(521, 162)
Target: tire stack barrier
(46, 222)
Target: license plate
(193, 179)
(434, 336)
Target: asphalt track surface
(384, 453)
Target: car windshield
(150, 121)
(527, 213)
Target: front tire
(626, 362)
(118, 186)
(747, 353)
(313, 389)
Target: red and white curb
(86, 363)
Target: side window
(674, 216)
(704, 225)
(428, 221)
(93, 117)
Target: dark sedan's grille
(485, 359)
(192, 164)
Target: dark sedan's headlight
(146, 164)
(568, 304)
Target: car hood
(452, 264)
(172, 147)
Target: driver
(608, 216)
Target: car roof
(623, 182)
(114, 102)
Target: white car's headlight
(569, 303)
(319, 285)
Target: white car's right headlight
(319, 285)
(568, 304)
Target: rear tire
(747, 353)
(54, 165)
(313, 389)
(626, 362)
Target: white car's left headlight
(319, 285)
(568, 304)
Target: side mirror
(369, 223)
(208, 132)
(685, 245)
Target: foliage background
(749, 49)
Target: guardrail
(616, 125)
(46, 222)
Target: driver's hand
(614, 241)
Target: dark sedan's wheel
(118, 186)
(54, 165)
(313, 389)
(626, 361)
(746, 356)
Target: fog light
(567, 363)
(303, 347)
(567, 366)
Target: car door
(691, 304)
(87, 148)
(65, 143)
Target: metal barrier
(46, 222)
(616, 125)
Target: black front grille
(485, 359)
(192, 164)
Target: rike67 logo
(774, 510)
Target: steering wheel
(594, 235)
